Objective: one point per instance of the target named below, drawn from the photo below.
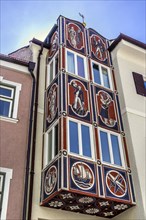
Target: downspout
(34, 136)
(31, 67)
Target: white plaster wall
(128, 58)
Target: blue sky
(23, 20)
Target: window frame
(16, 88)
(100, 73)
(92, 148)
(111, 154)
(54, 68)
(76, 64)
(46, 160)
(8, 176)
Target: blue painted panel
(132, 188)
(100, 181)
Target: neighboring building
(15, 102)
(87, 153)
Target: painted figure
(105, 102)
(99, 47)
(78, 104)
(55, 41)
(72, 34)
(51, 104)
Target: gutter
(31, 67)
(34, 137)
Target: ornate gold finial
(83, 22)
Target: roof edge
(126, 38)
(13, 60)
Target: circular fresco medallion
(82, 175)
(116, 183)
(50, 180)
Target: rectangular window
(80, 139)
(5, 178)
(51, 144)
(9, 98)
(111, 148)
(140, 83)
(101, 75)
(96, 74)
(70, 62)
(76, 64)
(53, 69)
(2, 183)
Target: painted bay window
(80, 139)
(9, 98)
(111, 148)
(101, 75)
(53, 68)
(51, 144)
(76, 64)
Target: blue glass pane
(5, 92)
(73, 135)
(105, 147)
(80, 64)
(4, 108)
(105, 78)
(116, 151)
(145, 84)
(86, 141)
(70, 62)
(96, 74)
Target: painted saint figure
(105, 102)
(72, 34)
(51, 104)
(78, 104)
(99, 48)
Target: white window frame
(80, 139)
(46, 141)
(121, 149)
(48, 68)
(8, 177)
(76, 66)
(100, 72)
(9, 84)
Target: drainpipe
(34, 136)
(31, 67)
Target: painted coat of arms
(75, 36)
(82, 175)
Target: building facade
(86, 152)
(15, 102)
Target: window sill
(12, 120)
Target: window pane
(70, 62)
(96, 73)
(74, 142)
(50, 146)
(105, 77)
(80, 64)
(105, 147)
(145, 84)
(4, 108)
(51, 71)
(5, 92)
(56, 140)
(116, 151)
(86, 141)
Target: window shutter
(139, 84)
